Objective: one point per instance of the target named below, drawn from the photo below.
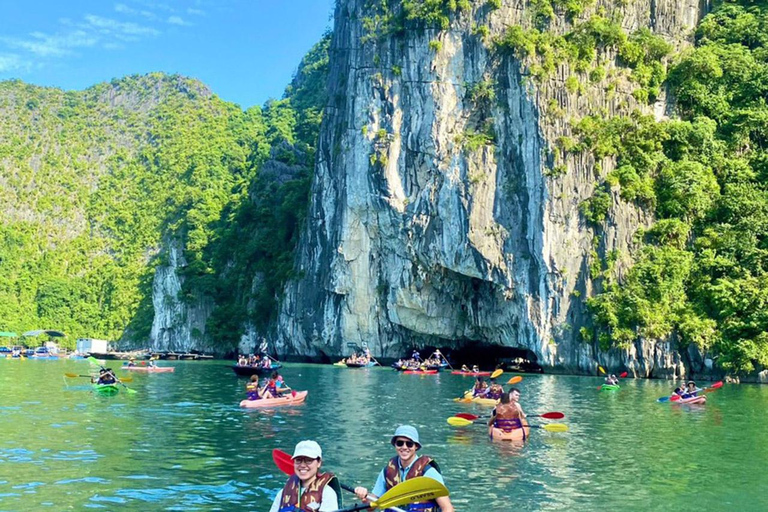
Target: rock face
(416, 238)
(177, 326)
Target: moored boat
(360, 365)
(288, 399)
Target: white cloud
(196, 12)
(109, 26)
(45, 45)
(177, 20)
(10, 62)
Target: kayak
(479, 400)
(516, 434)
(360, 365)
(106, 389)
(420, 372)
(150, 369)
(610, 387)
(471, 374)
(698, 400)
(288, 399)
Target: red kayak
(420, 372)
(471, 374)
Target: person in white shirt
(307, 488)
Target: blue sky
(245, 50)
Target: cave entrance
(488, 356)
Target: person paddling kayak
(308, 489)
(405, 466)
(611, 380)
(495, 391)
(106, 376)
(481, 387)
(508, 415)
(691, 390)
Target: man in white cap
(307, 489)
(405, 466)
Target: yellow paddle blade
(458, 422)
(515, 379)
(72, 375)
(417, 489)
(600, 368)
(555, 427)
(496, 373)
(126, 379)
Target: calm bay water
(182, 443)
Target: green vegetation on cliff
(702, 270)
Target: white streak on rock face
(444, 244)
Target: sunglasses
(399, 443)
(299, 461)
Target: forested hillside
(94, 183)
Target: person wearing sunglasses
(308, 489)
(405, 466)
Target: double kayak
(516, 434)
(610, 387)
(698, 400)
(106, 389)
(150, 369)
(478, 400)
(471, 374)
(420, 372)
(288, 399)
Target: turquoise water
(182, 443)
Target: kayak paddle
(549, 427)
(601, 369)
(546, 415)
(496, 373)
(515, 379)
(284, 463)
(421, 488)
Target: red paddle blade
(466, 416)
(283, 461)
(553, 415)
(674, 398)
(623, 375)
(716, 385)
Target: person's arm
(492, 418)
(276, 502)
(378, 488)
(329, 501)
(445, 504)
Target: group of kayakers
(308, 489)
(487, 389)
(689, 390)
(150, 364)
(361, 359)
(256, 361)
(273, 387)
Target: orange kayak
(288, 399)
(517, 434)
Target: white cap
(308, 449)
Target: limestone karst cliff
(444, 216)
